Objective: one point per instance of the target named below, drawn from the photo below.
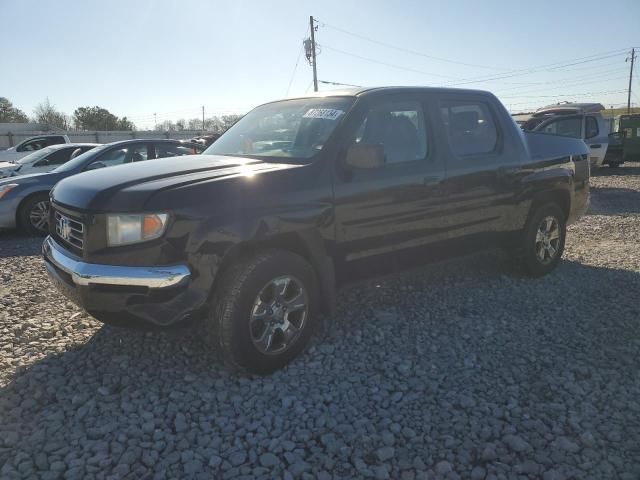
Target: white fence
(10, 139)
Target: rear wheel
(543, 240)
(263, 312)
(34, 215)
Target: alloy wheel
(548, 240)
(279, 315)
(39, 216)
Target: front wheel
(543, 240)
(263, 312)
(34, 215)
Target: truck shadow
(16, 244)
(614, 201)
(120, 379)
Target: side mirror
(365, 156)
(95, 166)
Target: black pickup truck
(253, 232)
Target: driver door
(394, 206)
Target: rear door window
(470, 127)
(166, 149)
(590, 127)
(565, 127)
(32, 145)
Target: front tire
(543, 240)
(263, 312)
(33, 215)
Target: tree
(45, 112)
(195, 124)
(229, 120)
(11, 114)
(97, 118)
(125, 124)
(180, 124)
(166, 126)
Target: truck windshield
(286, 131)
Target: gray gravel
(459, 370)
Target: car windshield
(35, 156)
(79, 160)
(286, 131)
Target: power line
(527, 71)
(384, 63)
(339, 84)
(294, 70)
(406, 50)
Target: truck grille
(69, 230)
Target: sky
(140, 57)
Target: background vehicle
(577, 120)
(45, 159)
(257, 232)
(31, 145)
(24, 200)
(628, 130)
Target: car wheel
(543, 237)
(34, 215)
(614, 165)
(262, 316)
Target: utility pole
(203, 119)
(631, 58)
(313, 54)
(155, 121)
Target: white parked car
(45, 159)
(30, 145)
(577, 120)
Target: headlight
(126, 229)
(4, 189)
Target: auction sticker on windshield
(326, 113)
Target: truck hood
(127, 188)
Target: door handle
(432, 179)
(595, 145)
(505, 173)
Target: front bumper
(121, 294)
(8, 212)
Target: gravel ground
(460, 370)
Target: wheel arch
(24, 200)
(559, 196)
(308, 245)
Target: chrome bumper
(85, 274)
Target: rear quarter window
(470, 126)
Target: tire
(246, 310)
(543, 236)
(614, 165)
(30, 215)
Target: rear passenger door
(481, 168)
(394, 206)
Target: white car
(30, 145)
(45, 159)
(577, 120)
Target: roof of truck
(358, 91)
(572, 107)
